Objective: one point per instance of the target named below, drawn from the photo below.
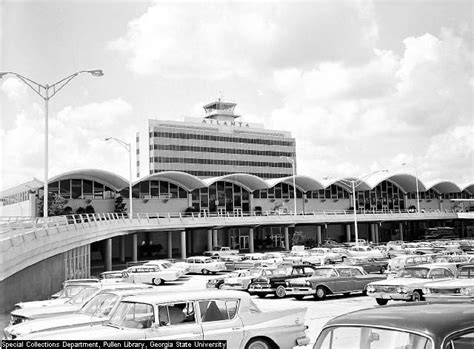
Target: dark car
(275, 283)
(331, 244)
(370, 265)
(412, 325)
(335, 279)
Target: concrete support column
(134, 247)
(348, 232)
(209, 239)
(251, 238)
(214, 238)
(318, 235)
(183, 244)
(170, 244)
(189, 246)
(372, 232)
(376, 233)
(122, 248)
(287, 239)
(400, 228)
(108, 254)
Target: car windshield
(132, 315)
(279, 271)
(83, 295)
(420, 273)
(466, 273)
(100, 305)
(345, 337)
(71, 290)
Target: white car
(150, 274)
(364, 251)
(166, 264)
(205, 265)
(195, 315)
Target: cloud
(416, 105)
(14, 89)
(76, 140)
(202, 40)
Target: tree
(56, 205)
(297, 238)
(119, 205)
(90, 209)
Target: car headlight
(426, 290)
(466, 291)
(287, 283)
(370, 288)
(308, 283)
(402, 289)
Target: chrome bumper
(299, 291)
(391, 295)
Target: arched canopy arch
(247, 181)
(469, 188)
(182, 179)
(303, 183)
(445, 187)
(110, 179)
(407, 182)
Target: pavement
(318, 312)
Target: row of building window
(221, 197)
(432, 194)
(223, 173)
(155, 189)
(81, 189)
(229, 139)
(279, 191)
(174, 160)
(220, 150)
(15, 198)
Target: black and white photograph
(263, 174)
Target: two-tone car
(71, 306)
(409, 283)
(273, 283)
(150, 274)
(242, 282)
(95, 311)
(331, 279)
(204, 265)
(166, 264)
(217, 282)
(195, 315)
(370, 265)
(460, 289)
(407, 326)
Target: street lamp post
(44, 92)
(292, 161)
(128, 147)
(417, 190)
(354, 184)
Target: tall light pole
(292, 161)
(353, 184)
(417, 190)
(46, 92)
(128, 147)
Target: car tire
(221, 286)
(204, 272)
(299, 297)
(158, 281)
(416, 297)
(381, 301)
(259, 343)
(320, 293)
(382, 270)
(280, 292)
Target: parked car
(408, 285)
(150, 274)
(330, 255)
(460, 289)
(340, 279)
(166, 264)
(111, 275)
(331, 244)
(217, 282)
(69, 290)
(364, 251)
(208, 315)
(204, 265)
(398, 263)
(71, 306)
(219, 251)
(95, 311)
(274, 282)
(414, 326)
(370, 265)
(243, 281)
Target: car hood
(39, 312)
(45, 303)
(237, 279)
(54, 322)
(453, 283)
(80, 333)
(402, 282)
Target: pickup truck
(220, 251)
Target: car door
(360, 279)
(220, 320)
(176, 321)
(345, 281)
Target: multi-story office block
(220, 144)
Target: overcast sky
(361, 85)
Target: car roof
(414, 317)
(187, 295)
(199, 257)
